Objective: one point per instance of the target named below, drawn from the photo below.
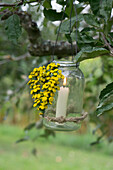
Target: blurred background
(24, 143)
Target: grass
(65, 152)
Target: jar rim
(66, 63)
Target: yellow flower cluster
(44, 83)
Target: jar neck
(66, 63)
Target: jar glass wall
(68, 101)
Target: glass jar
(68, 101)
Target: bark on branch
(40, 47)
(45, 48)
(11, 5)
(106, 43)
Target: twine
(70, 119)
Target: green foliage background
(90, 26)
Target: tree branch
(106, 43)
(11, 5)
(38, 46)
(9, 58)
(45, 48)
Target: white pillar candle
(62, 101)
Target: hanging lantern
(57, 91)
(62, 115)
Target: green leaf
(1, 15)
(65, 27)
(96, 128)
(87, 39)
(68, 38)
(47, 4)
(95, 6)
(30, 126)
(68, 9)
(13, 28)
(111, 35)
(88, 29)
(104, 108)
(61, 2)
(108, 27)
(4, 9)
(110, 38)
(79, 7)
(107, 90)
(91, 20)
(22, 139)
(106, 100)
(89, 52)
(52, 15)
(70, 6)
(105, 9)
(83, 37)
(108, 65)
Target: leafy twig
(16, 5)
(10, 58)
(11, 5)
(106, 43)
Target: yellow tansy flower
(29, 82)
(41, 107)
(58, 64)
(48, 67)
(60, 71)
(44, 99)
(34, 87)
(52, 94)
(37, 101)
(51, 71)
(31, 91)
(46, 107)
(48, 78)
(46, 94)
(55, 74)
(35, 105)
(35, 90)
(52, 85)
(51, 99)
(44, 83)
(57, 87)
(40, 113)
(55, 78)
(38, 95)
(54, 90)
(55, 70)
(30, 76)
(50, 88)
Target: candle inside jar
(61, 106)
